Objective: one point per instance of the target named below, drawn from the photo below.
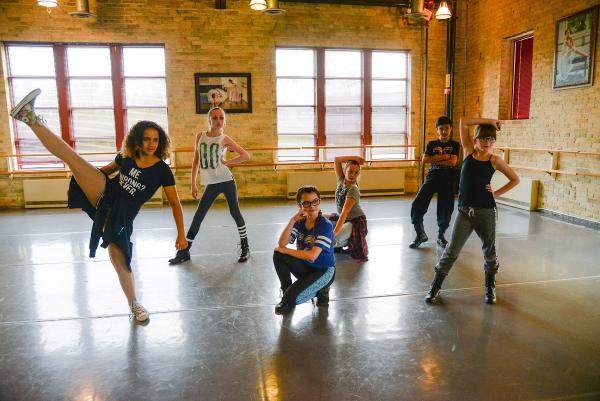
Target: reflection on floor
(66, 335)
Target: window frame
(366, 137)
(517, 75)
(62, 78)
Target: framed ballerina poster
(231, 91)
(574, 49)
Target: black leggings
(227, 188)
(310, 279)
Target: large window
(91, 94)
(341, 98)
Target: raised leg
(90, 180)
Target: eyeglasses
(315, 202)
(215, 118)
(488, 139)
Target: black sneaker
(283, 307)
(323, 297)
(441, 241)
(180, 257)
(245, 254)
(419, 239)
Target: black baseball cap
(443, 120)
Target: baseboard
(594, 225)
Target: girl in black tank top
(476, 204)
(475, 176)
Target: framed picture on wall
(231, 91)
(574, 48)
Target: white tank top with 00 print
(210, 152)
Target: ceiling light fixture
(258, 5)
(273, 8)
(48, 3)
(443, 12)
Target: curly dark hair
(133, 142)
(307, 189)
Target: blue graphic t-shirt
(320, 235)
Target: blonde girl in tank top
(209, 157)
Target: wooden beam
(376, 3)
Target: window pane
(388, 120)
(343, 120)
(343, 92)
(298, 92)
(31, 60)
(389, 64)
(28, 143)
(96, 124)
(389, 153)
(52, 121)
(91, 93)
(159, 116)
(342, 140)
(389, 93)
(295, 62)
(29, 146)
(144, 61)
(146, 92)
(88, 61)
(97, 145)
(48, 98)
(295, 120)
(296, 154)
(343, 64)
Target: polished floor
(65, 331)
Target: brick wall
(565, 119)
(199, 38)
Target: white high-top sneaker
(24, 111)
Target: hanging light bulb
(258, 5)
(443, 12)
(48, 3)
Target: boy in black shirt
(442, 156)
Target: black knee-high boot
(490, 288)
(436, 286)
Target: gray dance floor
(66, 334)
